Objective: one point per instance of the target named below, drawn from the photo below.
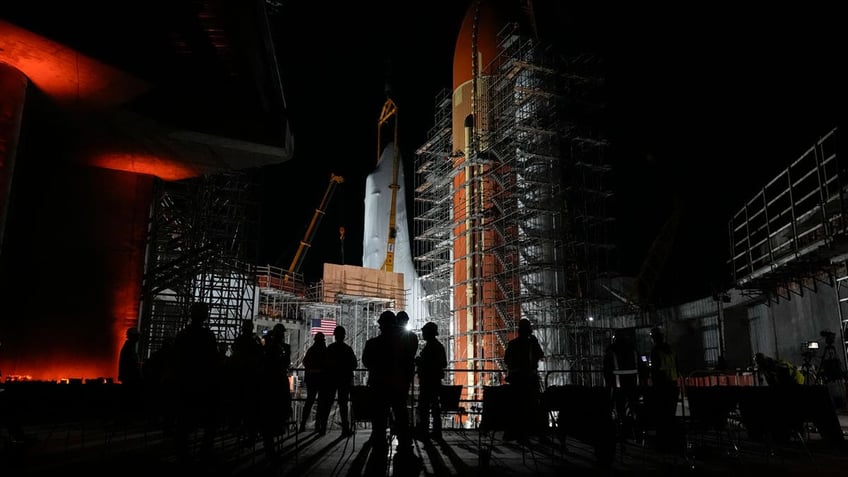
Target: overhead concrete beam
(67, 76)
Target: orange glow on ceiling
(144, 164)
(65, 74)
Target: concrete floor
(106, 448)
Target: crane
(658, 254)
(390, 111)
(642, 297)
(297, 261)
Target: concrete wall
(780, 329)
(737, 338)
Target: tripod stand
(807, 368)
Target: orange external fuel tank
(474, 349)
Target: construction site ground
(102, 445)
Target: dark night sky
(706, 104)
(703, 104)
(335, 75)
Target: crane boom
(297, 261)
(390, 111)
(658, 254)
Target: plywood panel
(362, 282)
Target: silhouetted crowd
(195, 386)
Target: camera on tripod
(809, 348)
(808, 352)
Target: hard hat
(199, 311)
(386, 318)
(278, 329)
(525, 328)
(431, 328)
(319, 336)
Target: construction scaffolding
(432, 241)
(362, 293)
(529, 203)
(347, 295)
(795, 228)
(284, 298)
(201, 245)
(793, 235)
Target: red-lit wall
(73, 252)
(71, 268)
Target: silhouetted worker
(621, 377)
(129, 366)
(130, 375)
(663, 360)
(409, 342)
(383, 355)
(10, 417)
(339, 364)
(198, 368)
(160, 378)
(431, 364)
(521, 358)
(275, 387)
(245, 365)
(665, 392)
(778, 372)
(313, 364)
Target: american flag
(324, 326)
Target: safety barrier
(714, 378)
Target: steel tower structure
(201, 245)
(529, 197)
